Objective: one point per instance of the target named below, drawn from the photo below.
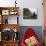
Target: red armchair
(29, 33)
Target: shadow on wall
(37, 29)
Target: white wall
(32, 4)
(6, 3)
(27, 4)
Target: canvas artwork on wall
(30, 13)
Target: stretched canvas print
(29, 13)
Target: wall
(26, 4)
(32, 4)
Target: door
(44, 8)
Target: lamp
(15, 3)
